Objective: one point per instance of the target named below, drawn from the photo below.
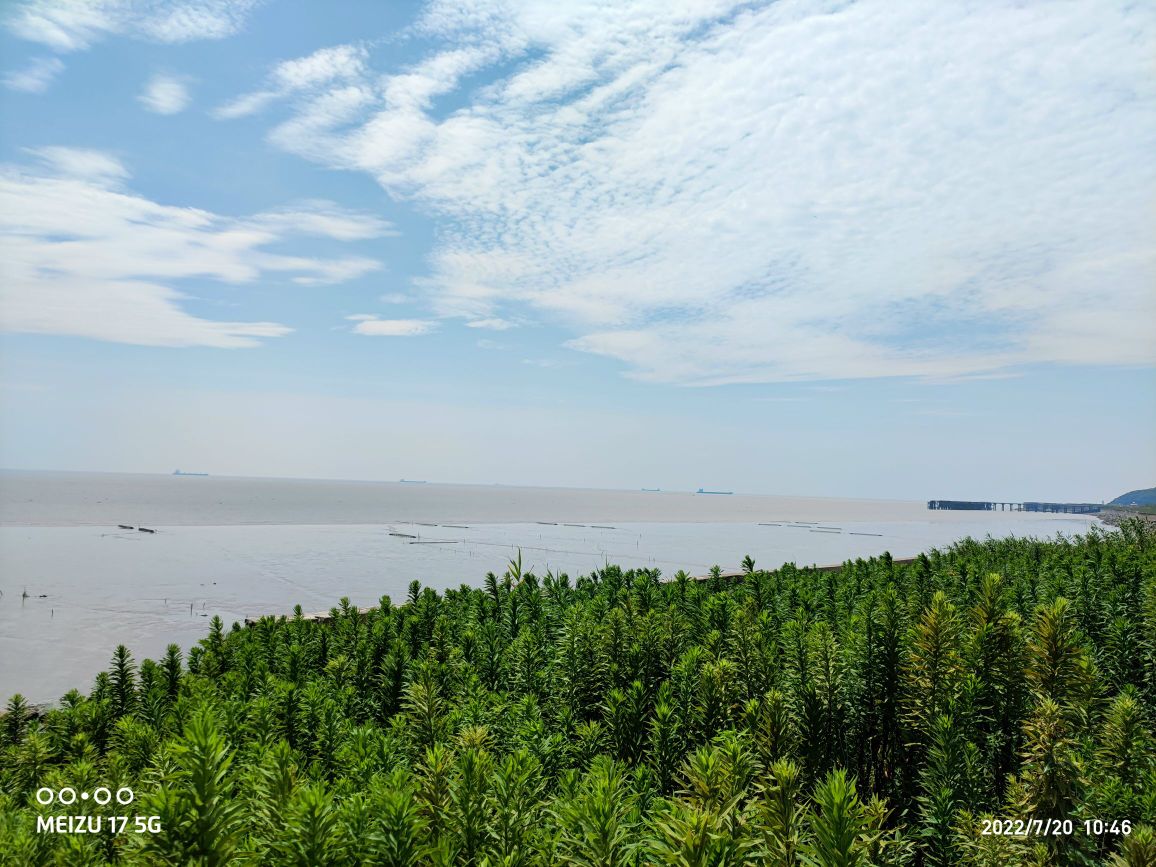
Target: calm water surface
(245, 547)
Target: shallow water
(41, 499)
(243, 548)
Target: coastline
(242, 548)
(91, 587)
(1114, 517)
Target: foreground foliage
(873, 715)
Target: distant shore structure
(183, 473)
(412, 481)
(986, 506)
(704, 491)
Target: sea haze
(243, 548)
(63, 499)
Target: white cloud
(492, 323)
(35, 77)
(712, 192)
(166, 94)
(82, 255)
(245, 105)
(392, 327)
(72, 25)
(323, 272)
(314, 217)
(338, 65)
(83, 163)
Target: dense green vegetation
(1141, 497)
(867, 716)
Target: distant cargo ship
(182, 473)
(701, 491)
(412, 481)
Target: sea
(74, 583)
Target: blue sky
(892, 249)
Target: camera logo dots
(68, 795)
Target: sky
(884, 248)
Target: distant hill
(1142, 497)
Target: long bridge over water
(993, 506)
